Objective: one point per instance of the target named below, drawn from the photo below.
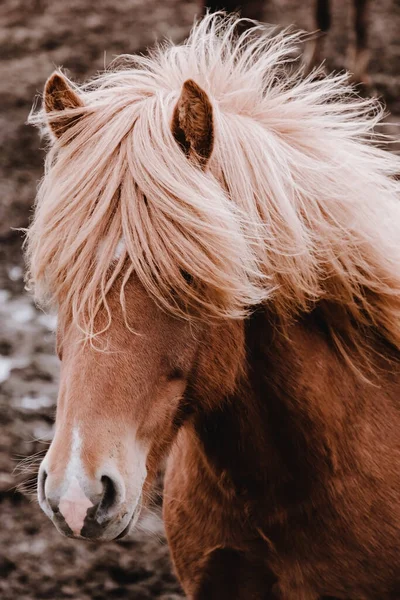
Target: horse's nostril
(109, 494)
(41, 483)
(52, 503)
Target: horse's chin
(126, 531)
(131, 524)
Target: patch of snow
(6, 364)
(4, 297)
(43, 431)
(15, 273)
(23, 313)
(34, 402)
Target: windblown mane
(298, 203)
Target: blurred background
(83, 36)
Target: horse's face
(118, 412)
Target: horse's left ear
(192, 122)
(58, 97)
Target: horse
(358, 54)
(219, 233)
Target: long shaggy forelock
(298, 203)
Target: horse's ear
(192, 122)
(58, 97)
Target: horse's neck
(285, 430)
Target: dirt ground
(83, 36)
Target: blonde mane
(298, 203)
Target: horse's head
(118, 411)
(120, 405)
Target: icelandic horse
(220, 234)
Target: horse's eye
(187, 277)
(175, 374)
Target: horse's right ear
(192, 123)
(59, 97)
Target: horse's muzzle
(87, 509)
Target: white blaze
(74, 503)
